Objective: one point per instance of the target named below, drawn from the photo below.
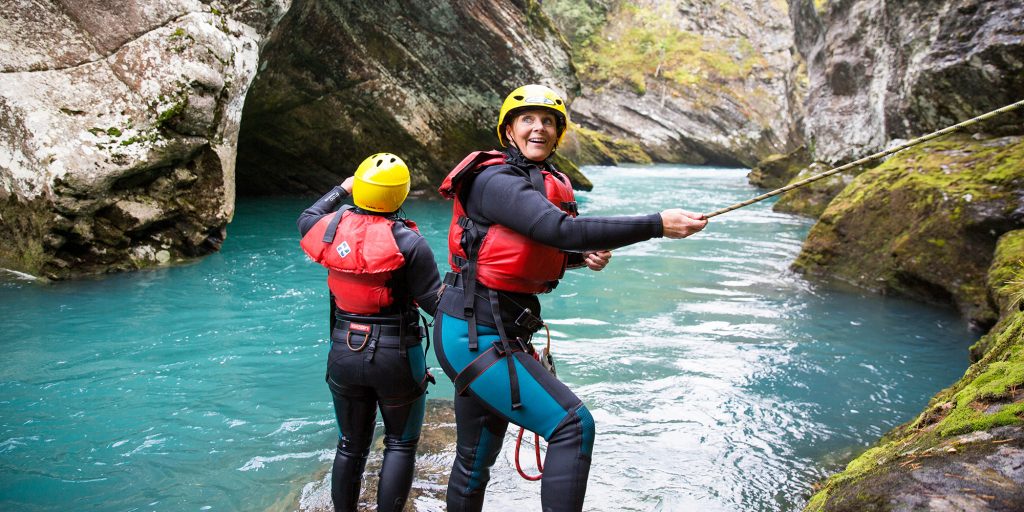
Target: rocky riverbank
(966, 450)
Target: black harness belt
(369, 332)
(501, 349)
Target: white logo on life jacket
(344, 249)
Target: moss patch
(1006, 275)
(589, 147)
(23, 226)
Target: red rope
(536, 450)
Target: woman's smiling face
(534, 132)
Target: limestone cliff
(688, 80)
(879, 72)
(341, 80)
(118, 124)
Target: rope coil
(880, 154)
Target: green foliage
(641, 43)
(1006, 275)
(578, 20)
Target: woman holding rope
(513, 233)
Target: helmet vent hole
(558, 102)
(392, 159)
(380, 162)
(518, 98)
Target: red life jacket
(505, 259)
(360, 256)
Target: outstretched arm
(510, 200)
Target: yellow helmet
(381, 183)
(535, 96)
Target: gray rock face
(734, 118)
(118, 126)
(895, 70)
(344, 79)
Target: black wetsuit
(504, 194)
(367, 372)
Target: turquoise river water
(719, 380)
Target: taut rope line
(880, 154)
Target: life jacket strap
(332, 228)
(472, 237)
(513, 377)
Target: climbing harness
(880, 154)
(544, 356)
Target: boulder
(778, 170)
(118, 124)
(434, 457)
(925, 223)
(588, 147)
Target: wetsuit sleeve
(330, 202)
(501, 197)
(421, 276)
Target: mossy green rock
(777, 170)
(925, 223)
(811, 200)
(1006, 276)
(579, 181)
(966, 450)
(1005, 284)
(589, 147)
